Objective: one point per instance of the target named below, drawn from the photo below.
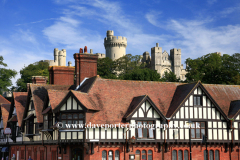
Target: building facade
(98, 118)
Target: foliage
(106, 68)
(170, 77)
(35, 69)
(142, 74)
(5, 76)
(214, 69)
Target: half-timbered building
(121, 120)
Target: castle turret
(156, 57)
(115, 46)
(175, 55)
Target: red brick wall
(85, 66)
(60, 75)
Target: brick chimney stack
(61, 75)
(85, 65)
(39, 80)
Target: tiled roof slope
(4, 100)
(223, 94)
(86, 100)
(5, 108)
(234, 108)
(180, 94)
(20, 100)
(136, 101)
(114, 97)
(39, 92)
(56, 96)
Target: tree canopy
(214, 69)
(5, 76)
(35, 69)
(130, 68)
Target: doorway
(77, 154)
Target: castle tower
(175, 55)
(115, 46)
(156, 57)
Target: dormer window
(197, 100)
(75, 118)
(29, 127)
(146, 132)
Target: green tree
(170, 77)
(5, 76)
(142, 74)
(35, 69)
(214, 69)
(106, 68)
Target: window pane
(80, 122)
(140, 133)
(145, 132)
(46, 117)
(149, 157)
(144, 151)
(205, 155)
(110, 155)
(150, 133)
(64, 123)
(197, 125)
(198, 100)
(217, 155)
(185, 155)
(174, 155)
(202, 125)
(197, 133)
(104, 155)
(69, 116)
(137, 152)
(149, 152)
(116, 155)
(192, 133)
(211, 155)
(203, 132)
(179, 155)
(75, 116)
(64, 116)
(144, 157)
(195, 100)
(69, 122)
(81, 116)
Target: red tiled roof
(4, 100)
(113, 97)
(5, 108)
(86, 100)
(20, 100)
(56, 96)
(223, 94)
(39, 92)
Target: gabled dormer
(143, 112)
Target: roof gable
(144, 107)
(5, 108)
(4, 100)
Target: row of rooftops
(110, 101)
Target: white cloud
(152, 17)
(211, 1)
(229, 10)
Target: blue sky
(30, 30)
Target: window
(137, 155)
(46, 122)
(197, 130)
(205, 154)
(110, 155)
(186, 155)
(180, 155)
(211, 155)
(144, 156)
(104, 155)
(150, 155)
(117, 155)
(32, 105)
(217, 155)
(50, 120)
(36, 128)
(197, 100)
(75, 118)
(174, 155)
(29, 126)
(145, 132)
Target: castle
(161, 61)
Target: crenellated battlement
(115, 46)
